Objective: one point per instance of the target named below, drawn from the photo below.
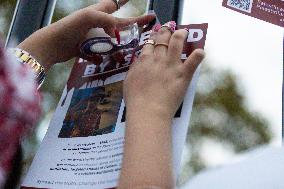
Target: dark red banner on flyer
(271, 11)
(88, 72)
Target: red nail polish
(171, 25)
(157, 27)
(117, 35)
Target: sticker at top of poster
(271, 11)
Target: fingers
(123, 22)
(176, 44)
(193, 61)
(141, 20)
(98, 19)
(104, 20)
(107, 6)
(109, 22)
(163, 38)
(148, 49)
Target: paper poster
(271, 11)
(83, 147)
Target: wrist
(149, 110)
(25, 58)
(38, 51)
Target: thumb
(193, 61)
(141, 20)
(109, 22)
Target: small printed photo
(92, 111)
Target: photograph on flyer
(92, 111)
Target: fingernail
(117, 35)
(186, 29)
(157, 27)
(171, 25)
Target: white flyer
(83, 147)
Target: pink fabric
(19, 108)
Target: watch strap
(25, 58)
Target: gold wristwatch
(25, 58)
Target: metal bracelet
(25, 58)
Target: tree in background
(6, 15)
(219, 113)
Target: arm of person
(61, 40)
(153, 90)
(148, 152)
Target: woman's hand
(61, 41)
(158, 81)
(153, 90)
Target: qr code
(243, 5)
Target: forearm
(147, 153)
(61, 40)
(36, 46)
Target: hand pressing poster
(271, 11)
(83, 147)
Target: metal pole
(166, 10)
(283, 97)
(29, 16)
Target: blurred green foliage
(6, 15)
(220, 114)
(219, 111)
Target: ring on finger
(162, 44)
(150, 42)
